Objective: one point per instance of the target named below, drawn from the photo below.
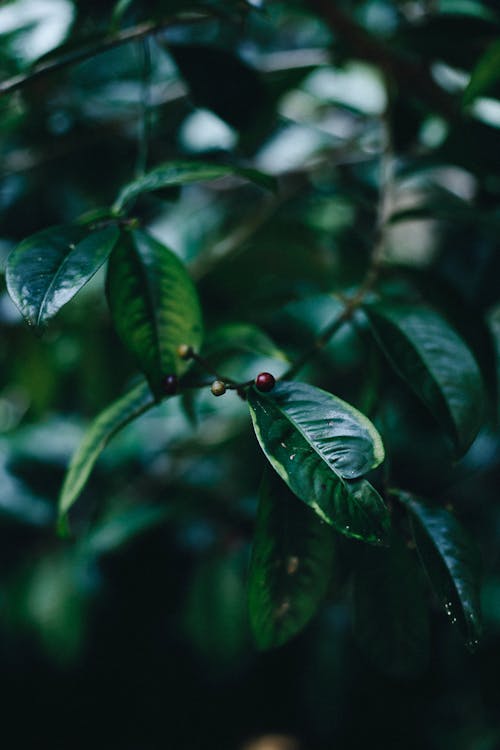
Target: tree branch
(87, 51)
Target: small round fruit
(218, 388)
(169, 385)
(185, 351)
(265, 382)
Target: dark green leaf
(185, 173)
(47, 269)
(154, 305)
(436, 364)
(390, 611)
(103, 428)
(485, 75)
(317, 443)
(293, 558)
(451, 562)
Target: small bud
(169, 385)
(185, 351)
(218, 388)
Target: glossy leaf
(451, 563)
(47, 269)
(485, 75)
(436, 364)
(317, 444)
(185, 173)
(103, 428)
(391, 620)
(293, 558)
(154, 305)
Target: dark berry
(265, 382)
(185, 351)
(169, 385)
(218, 388)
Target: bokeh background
(134, 634)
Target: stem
(376, 261)
(205, 364)
(108, 42)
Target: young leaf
(391, 620)
(293, 558)
(185, 173)
(47, 269)
(103, 428)
(436, 364)
(317, 443)
(154, 305)
(451, 563)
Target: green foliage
(293, 560)
(184, 173)
(112, 420)
(451, 563)
(307, 191)
(436, 364)
(46, 270)
(317, 444)
(154, 305)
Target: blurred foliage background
(135, 634)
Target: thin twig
(108, 42)
(376, 260)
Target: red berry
(265, 382)
(169, 385)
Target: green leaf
(244, 337)
(436, 364)
(317, 443)
(154, 305)
(293, 558)
(185, 173)
(485, 75)
(451, 562)
(391, 620)
(103, 428)
(47, 269)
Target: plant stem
(108, 42)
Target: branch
(84, 53)
(408, 75)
